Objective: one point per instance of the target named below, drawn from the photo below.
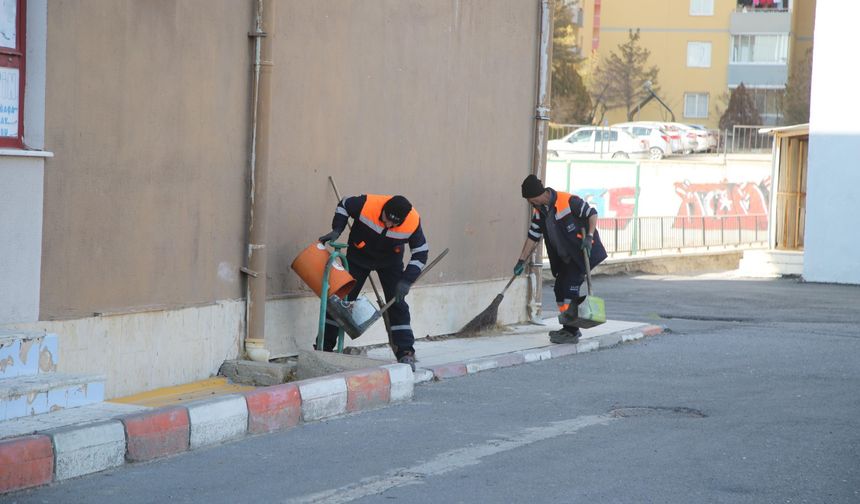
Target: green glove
(519, 268)
(587, 242)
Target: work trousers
(401, 330)
(566, 288)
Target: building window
(701, 7)
(696, 105)
(12, 23)
(760, 49)
(699, 54)
(768, 104)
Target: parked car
(689, 137)
(594, 140)
(711, 137)
(659, 140)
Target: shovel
(591, 311)
(356, 317)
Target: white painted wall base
(144, 351)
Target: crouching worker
(569, 226)
(382, 227)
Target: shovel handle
(432, 263)
(587, 270)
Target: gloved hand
(587, 242)
(331, 235)
(519, 268)
(401, 290)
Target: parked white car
(659, 140)
(710, 137)
(690, 138)
(616, 143)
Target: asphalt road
(751, 397)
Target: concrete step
(771, 263)
(43, 393)
(27, 353)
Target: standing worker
(381, 228)
(569, 224)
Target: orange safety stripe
(372, 209)
(562, 204)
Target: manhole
(666, 411)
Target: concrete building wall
(147, 114)
(21, 187)
(147, 110)
(21, 232)
(434, 100)
(832, 242)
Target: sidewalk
(55, 446)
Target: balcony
(758, 75)
(761, 20)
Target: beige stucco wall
(147, 114)
(148, 118)
(431, 99)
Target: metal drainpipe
(255, 296)
(539, 152)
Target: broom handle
(587, 270)
(425, 270)
(534, 246)
(509, 283)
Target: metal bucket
(354, 317)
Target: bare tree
(620, 80)
(796, 99)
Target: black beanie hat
(397, 208)
(532, 187)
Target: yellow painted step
(179, 394)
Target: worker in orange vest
(382, 227)
(569, 226)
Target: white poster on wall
(9, 102)
(8, 29)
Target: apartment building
(705, 48)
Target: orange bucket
(310, 266)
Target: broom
(490, 315)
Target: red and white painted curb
(68, 452)
(55, 455)
(472, 366)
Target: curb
(68, 452)
(472, 366)
(40, 459)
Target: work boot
(408, 358)
(565, 335)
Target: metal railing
(644, 234)
(745, 138)
(739, 139)
(557, 131)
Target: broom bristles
(485, 319)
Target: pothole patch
(664, 411)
